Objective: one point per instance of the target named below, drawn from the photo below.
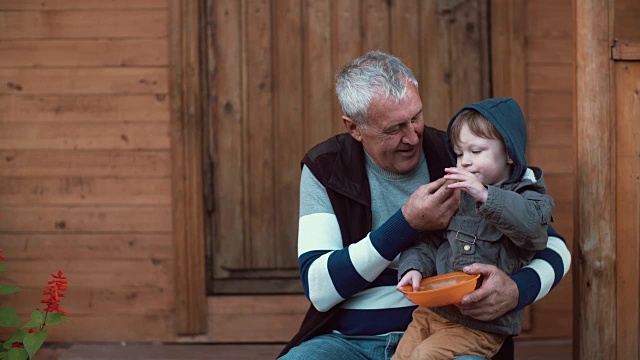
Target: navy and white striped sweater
(361, 278)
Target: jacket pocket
(473, 240)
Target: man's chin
(407, 165)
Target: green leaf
(3, 268)
(17, 354)
(55, 318)
(37, 317)
(33, 342)
(17, 336)
(8, 289)
(8, 317)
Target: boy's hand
(468, 182)
(412, 277)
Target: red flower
(1, 257)
(18, 345)
(54, 292)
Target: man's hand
(468, 182)
(431, 206)
(497, 295)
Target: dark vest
(339, 165)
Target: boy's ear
(352, 128)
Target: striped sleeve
(544, 272)
(331, 273)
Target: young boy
(502, 220)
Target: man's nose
(411, 136)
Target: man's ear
(352, 128)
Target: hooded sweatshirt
(505, 114)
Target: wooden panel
(560, 186)
(552, 160)
(550, 105)
(508, 51)
(260, 157)
(595, 251)
(107, 328)
(73, 246)
(84, 81)
(84, 108)
(549, 18)
(550, 133)
(85, 163)
(108, 52)
(435, 86)
(187, 165)
(272, 318)
(404, 23)
(226, 86)
(91, 273)
(84, 190)
(550, 77)
(625, 22)
(375, 25)
(113, 300)
(81, 4)
(625, 50)
(69, 219)
(83, 24)
(319, 97)
(289, 130)
(627, 208)
(74, 136)
(469, 56)
(346, 44)
(549, 51)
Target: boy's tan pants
(430, 336)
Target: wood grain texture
(74, 136)
(71, 24)
(84, 190)
(289, 129)
(187, 166)
(226, 63)
(83, 81)
(627, 208)
(595, 250)
(86, 53)
(81, 4)
(84, 109)
(85, 163)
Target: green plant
(26, 341)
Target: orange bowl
(442, 289)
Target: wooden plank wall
(272, 67)
(549, 96)
(85, 177)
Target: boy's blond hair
(478, 125)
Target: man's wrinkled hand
(497, 295)
(431, 206)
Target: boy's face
(487, 159)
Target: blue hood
(505, 114)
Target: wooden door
(271, 67)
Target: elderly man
(364, 197)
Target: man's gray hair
(373, 74)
